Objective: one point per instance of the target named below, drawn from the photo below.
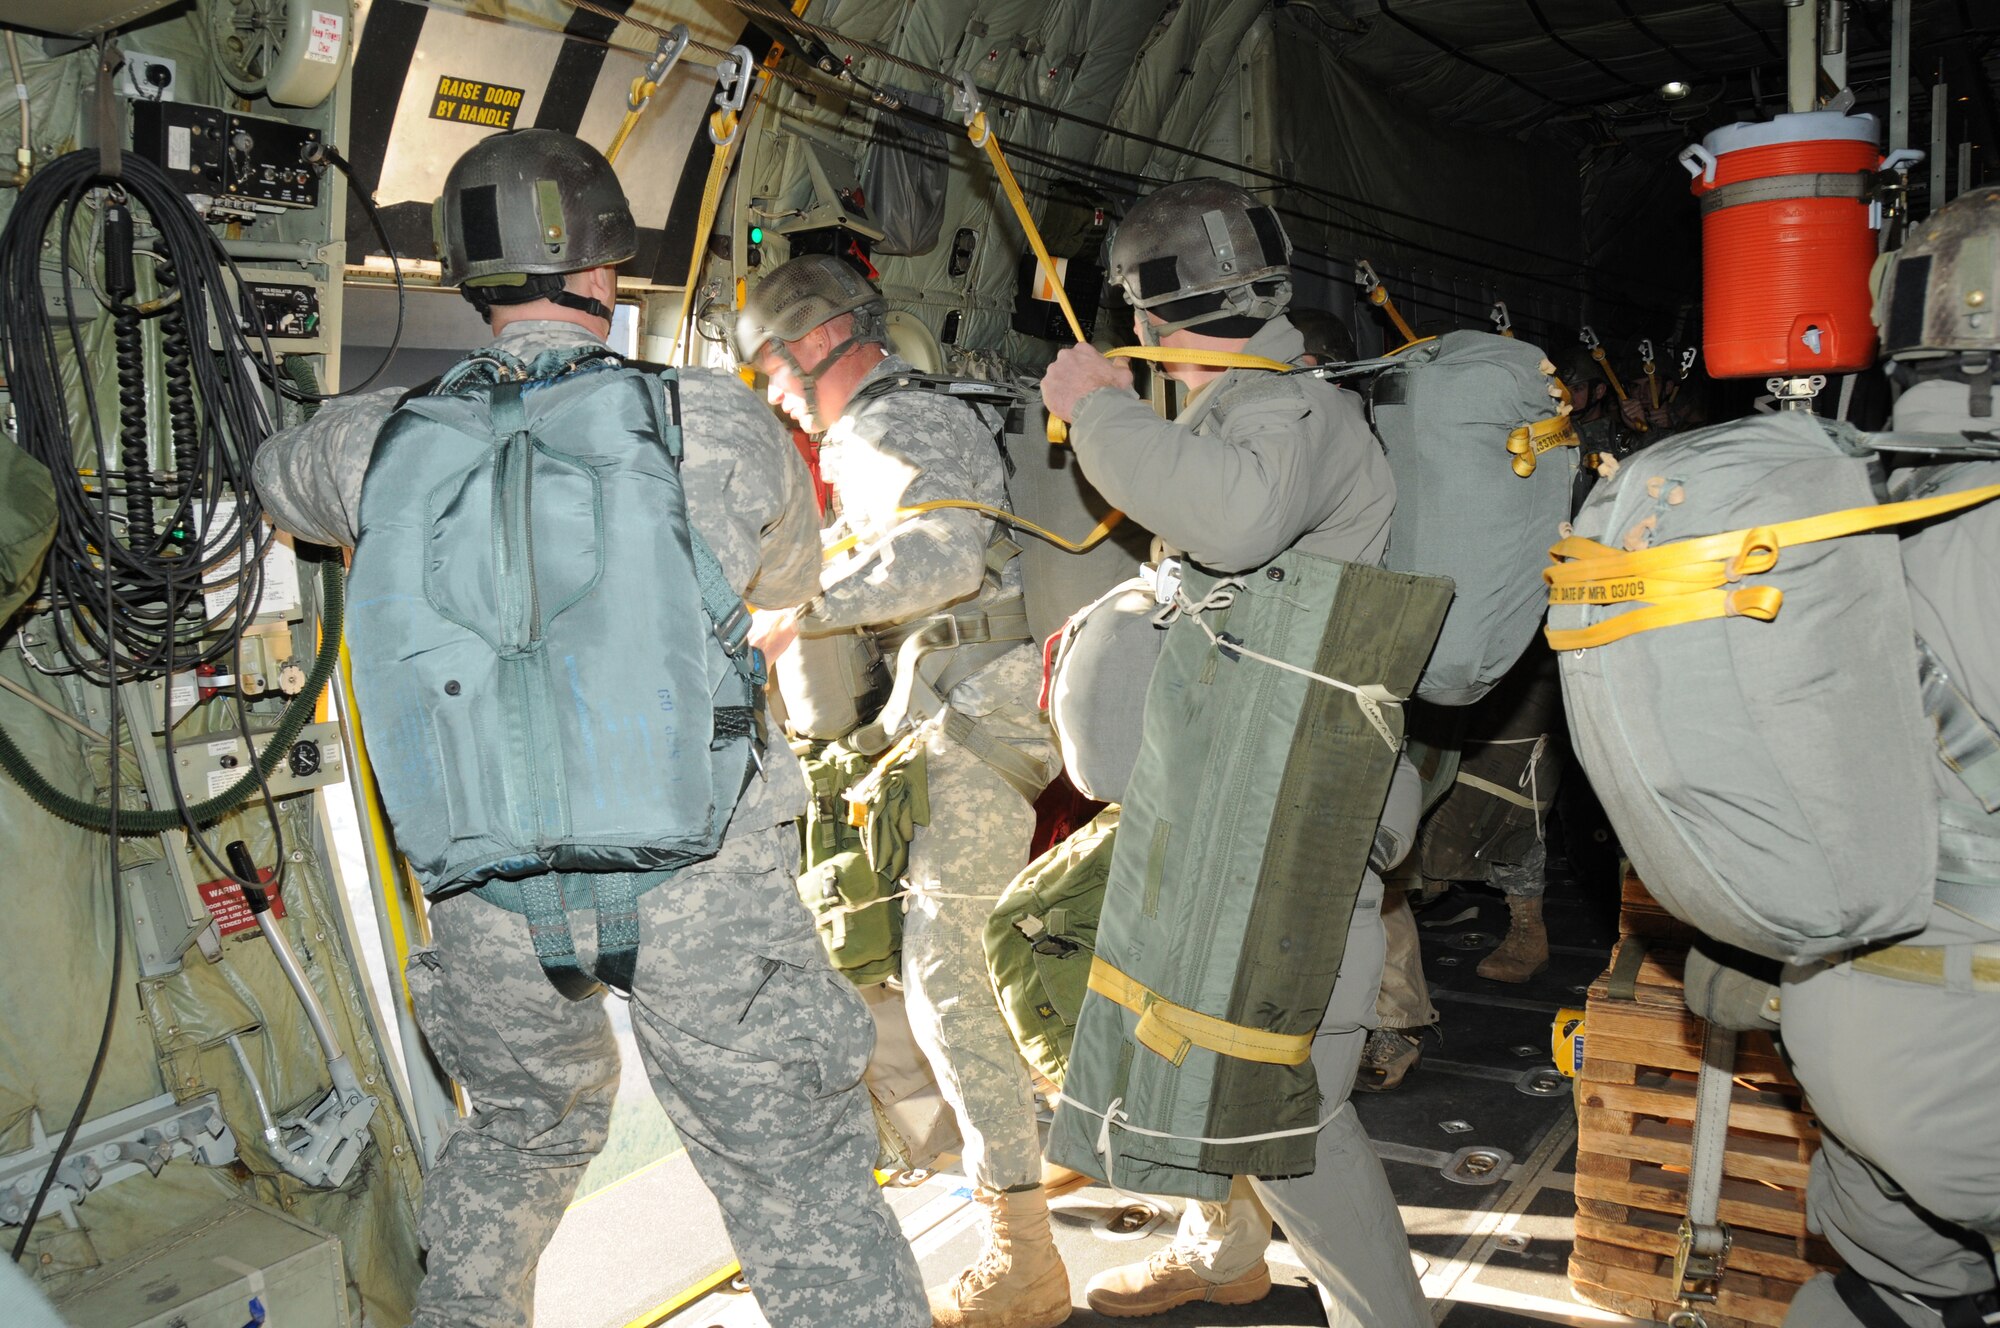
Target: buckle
(1698, 1277)
(957, 633)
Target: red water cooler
(1789, 227)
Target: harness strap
(1965, 741)
(1864, 1301)
(1968, 871)
(1929, 965)
(1169, 1030)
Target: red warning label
(227, 906)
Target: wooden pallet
(1635, 1113)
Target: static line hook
(665, 56)
(965, 102)
(1503, 322)
(1588, 336)
(732, 77)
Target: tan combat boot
(1166, 1280)
(1525, 952)
(1019, 1280)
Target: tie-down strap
(1170, 1030)
(1693, 580)
(1858, 185)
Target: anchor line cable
(761, 9)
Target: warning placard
(229, 909)
(466, 101)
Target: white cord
(1115, 1115)
(1371, 696)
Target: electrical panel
(211, 764)
(284, 306)
(247, 160)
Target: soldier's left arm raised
(309, 476)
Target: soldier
(941, 592)
(1896, 1044)
(1256, 465)
(754, 1046)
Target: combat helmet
(1937, 303)
(808, 292)
(1203, 253)
(521, 209)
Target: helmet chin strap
(809, 378)
(549, 286)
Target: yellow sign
(467, 101)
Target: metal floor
(1492, 1254)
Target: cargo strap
(1857, 185)
(1623, 983)
(1169, 1030)
(1965, 741)
(1931, 965)
(1690, 580)
(1703, 1252)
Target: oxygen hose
(297, 713)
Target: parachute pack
(1484, 461)
(1743, 671)
(538, 728)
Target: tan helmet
(1201, 251)
(808, 292)
(1941, 291)
(521, 209)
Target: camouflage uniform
(753, 1044)
(892, 451)
(1254, 466)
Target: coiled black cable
(219, 414)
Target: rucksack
(1040, 940)
(1740, 669)
(528, 723)
(1484, 465)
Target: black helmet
(1202, 251)
(521, 209)
(808, 292)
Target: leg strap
(544, 900)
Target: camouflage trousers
(976, 843)
(1906, 1185)
(755, 1047)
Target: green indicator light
(756, 235)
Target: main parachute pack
(529, 724)
(1748, 691)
